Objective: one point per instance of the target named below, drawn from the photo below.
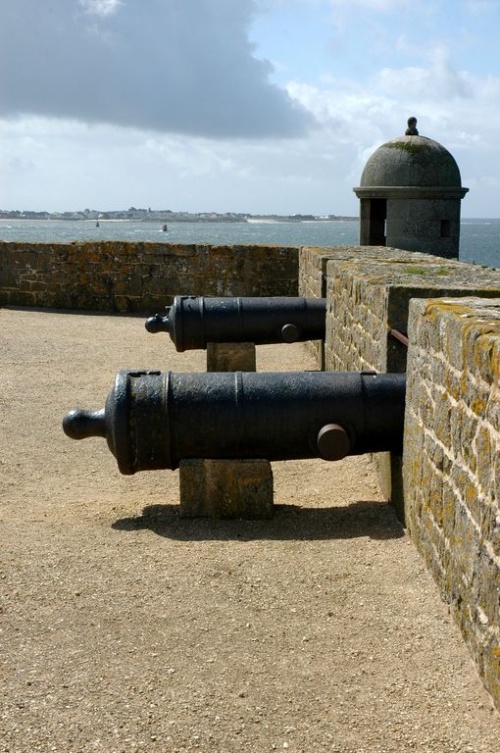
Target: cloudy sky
(260, 106)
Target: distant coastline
(479, 237)
(166, 215)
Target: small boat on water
(164, 228)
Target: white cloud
(438, 81)
(435, 89)
(194, 100)
(101, 7)
(385, 6)
(454, 107)
(168, 66)
(58, 164)
(481, 6)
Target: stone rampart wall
(451, 463)
(139, 277)
(313, 282)
(313, 262)
(368, 299)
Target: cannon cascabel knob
(80, 423)
(158, 323)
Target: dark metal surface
(194, 321)
(399, 336)
(153, 420)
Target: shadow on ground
(373, 519)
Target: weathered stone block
(231, 357)
(226, 489)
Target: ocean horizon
(479, 238)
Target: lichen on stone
(407, 146)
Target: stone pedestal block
(226, 489)
(231, 357)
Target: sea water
(479, 239)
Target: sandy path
(126, 628)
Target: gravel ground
(127, 628)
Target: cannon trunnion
(153, 420)
(195, 321)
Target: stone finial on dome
(412, 127)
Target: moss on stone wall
(451, 468)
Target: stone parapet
(451, 463)
(313, 277)
(139, 277)
(367, 299)
(313, 261)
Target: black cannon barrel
(153, 420)
(194, 321)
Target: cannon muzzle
(195, 321)
(153, 420)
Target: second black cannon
(194, 321)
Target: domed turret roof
(411, 160)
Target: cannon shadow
(375, 520)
